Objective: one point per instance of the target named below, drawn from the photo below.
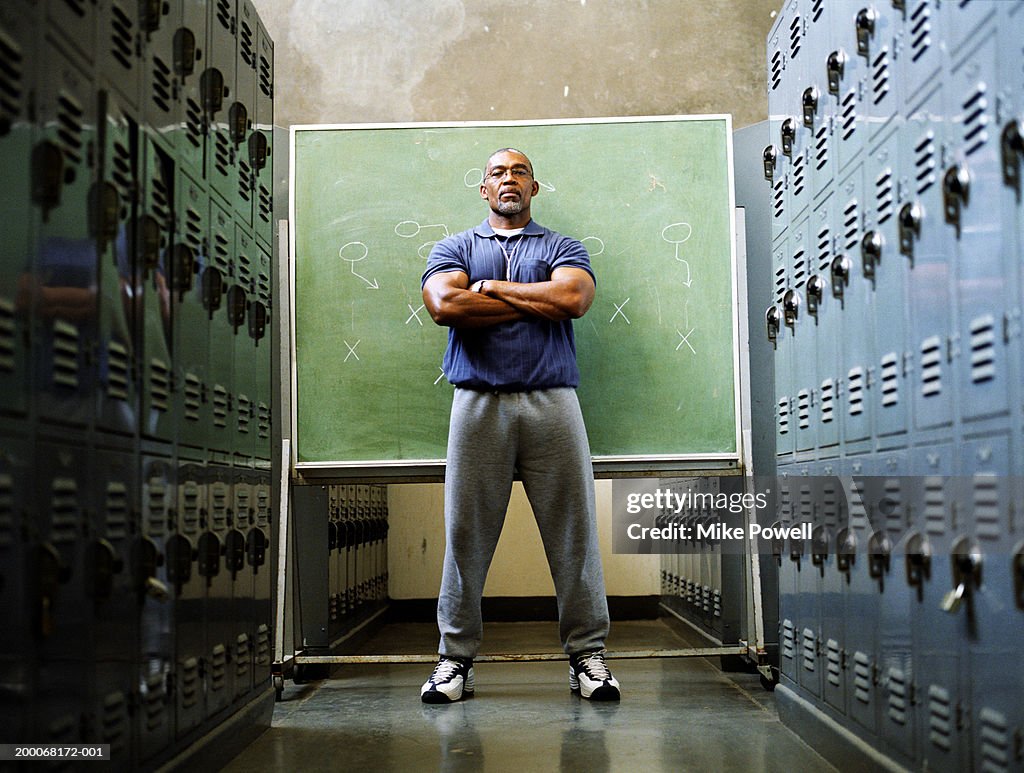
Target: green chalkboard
(651, 199)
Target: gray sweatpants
(541, 434)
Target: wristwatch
(480, 287)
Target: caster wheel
(768, 684)
(278, 688)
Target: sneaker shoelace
(444, 670)
(595, 666)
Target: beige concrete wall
(359, 61)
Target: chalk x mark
(352, 350)
(415, 314)
(685, 340)
(619, 311)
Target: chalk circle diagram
(409, 229)
(593, 245)
(358, 252)
(677, 234)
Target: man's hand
(452, 303)
(567, 295)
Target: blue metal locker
(154, 717)
(974, 196)
(782, 339)
(800, 329)
(964, 22)
(225, 117)
(808, 583)
(824, 309)
(789, 608)
(19, 50)
(224, 308)
(848, 84)
(921, 51)
(881, 260)
(261, 141)
(189, 57)
(167, 54)
(834, 517)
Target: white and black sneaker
(589, 676)
(451, 681)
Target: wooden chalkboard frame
(607, 465)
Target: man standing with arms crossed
(508, 291)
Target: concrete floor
(679, 714)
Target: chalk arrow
(369, 285)
(688, 281)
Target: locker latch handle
(791, 308)
(104, 208)
(1013, 150)
(1018, 576)
(810, 105)
(846, 550)
(256, 548)
(840, 270)
(787, 133)
(258, 151)
(835, 66)
(815, 294)
(773, 322)
(956, 189)
(211, 86)
(871, 247)
(238, 122)
(237, 306)
(234, 551)
(104, 563)
(48, 176)
(185, 53)
(769, 157)
(820, 541)
(910, 217)
(917, 560)
(866, 19)
(966, 564)
(879, 553)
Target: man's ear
(536, 188)
(483, 191)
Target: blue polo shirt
(522, 355)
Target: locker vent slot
(880, 76)
(830, 505)
(848, 114)
(65, 354)
(834, 655)
(986, 507)
(266, 83)
(222, 153)
(894, 514)
(244, 414)
(799, 173)
(7, 528)
(716, 599)
(263, 503)
(121, 172)
(218, 667)
(795, 35)
(931, 366)
(194, 123)
(862, 677)
(154, 698)
(263, 421)
(243, 502)
(788, 640)
(263, 287)
(934, 506)
(160, 86)
(995, 737)
(265, 204)
(858, 507)
(243, 267)
(219, 506)
(983, 345)
(855, 391)
(64, 509)
(159, 196)
(194, 229)
(7, 334)
(828, 393)
(776, 70)
(799, 269)
(121, 36)
(156, 508)
(243, 657)
(806, 503)
(785, 506)
(223, 13)
(824, 249)
(884, 195)
(920, 30)
(890, 379)
(851, 225)
(221, 247)
(246, 47)
(193, 396)
(925, 162)
(783, 416)
(117, 371)
(117, 510)
(159, 385)
(262, 645)
(11, 75)
(245, 178)
(976, 120)
(817, 9)
(780, 283)
(70, 120)
(821, 147)
(705, 597)
(779, 198)
(189, 523)
(940, 718)
(803, 402)
(189, 681)
(898, 698)
(809, 651)
(115, 727)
